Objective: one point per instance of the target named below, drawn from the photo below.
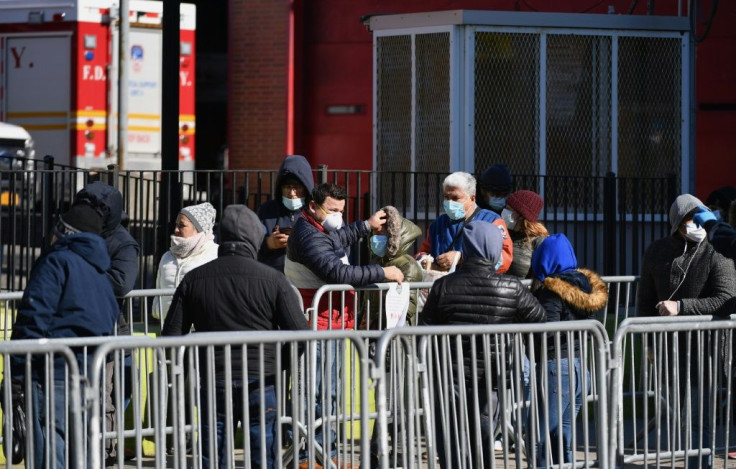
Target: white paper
(397, 304)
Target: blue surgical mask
(293, 204)
(453, 209)
(378, 244)
(498, 264)
(497, 203)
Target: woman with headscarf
(567, 293)
(192, 244)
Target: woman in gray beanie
(682, 275)
(192, 244)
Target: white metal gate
(546, 94)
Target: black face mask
(61, 228)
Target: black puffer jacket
(475, 294)
(236, 293)
(570, 296)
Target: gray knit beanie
(681, 207)
(202, 216)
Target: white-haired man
(444, 237)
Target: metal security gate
(547, 94)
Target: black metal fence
(610, 220)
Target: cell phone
(286, 231)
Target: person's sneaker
(498, 446)
(731, 455)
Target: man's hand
(277, 240)
(704, 215)
(377, 220)
(667, 308)
(393, 274)
(444, 261)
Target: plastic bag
(429, 275)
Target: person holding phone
(294, 184)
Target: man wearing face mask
(494, 187)
(682, 275)
(444, 237)
(278, 215)
(317, 254)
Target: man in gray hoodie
(235, 292)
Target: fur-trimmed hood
(572, 294)
(401, 233)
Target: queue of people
(483, 244)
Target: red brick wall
(258, 48)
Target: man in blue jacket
(68, 295)
(122, 274)
(292, 193)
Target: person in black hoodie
(567, 294)
(123, 272)
(235, 292)
(475, 295)
(294, 185)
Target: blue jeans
(706, 462)
(487, 412)
(559, 394)
(254, 425)
(57, 432)
(327, 378)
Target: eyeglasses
(291, 187)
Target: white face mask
(293, 204)
(508, 217)
(333, 222)
(693, 233)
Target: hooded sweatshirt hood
(240, 227)
(554, 255)
(107, 200)
(401, 233)
(482, 239)
(298, 167)
(88, 246)
(682, 206)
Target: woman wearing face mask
(390, 245)
(521, 216)
(682, 275)
(192, 244)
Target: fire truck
(59, 80)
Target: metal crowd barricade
(447, 378)
(671, 390)
(45, 392)
(211, 361)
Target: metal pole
(169, 196)
(123, 51)
(112, 94)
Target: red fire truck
(59, 80)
